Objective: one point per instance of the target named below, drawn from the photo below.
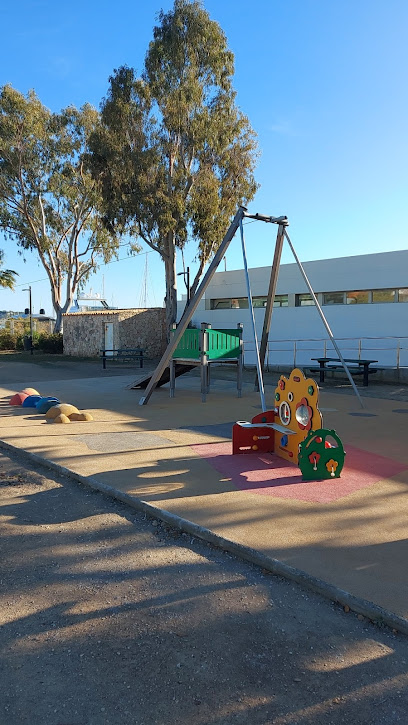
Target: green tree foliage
(176, 155)
(48, 201)
(7, 276)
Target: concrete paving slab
(358, 541)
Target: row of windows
(241, 303)
(359, 297)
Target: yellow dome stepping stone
(62, 408)
(65, 413)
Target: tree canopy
(7, 276)
(48, 200)
(175, 153)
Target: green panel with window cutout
(224, 343)
(221, 344)
(189, 345)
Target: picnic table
(356, 366)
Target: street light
(186, 274)
(28, 289)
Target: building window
(259, 301)
(357, 298)
(280, 301)
(220, 304)
(241, 303)
(384, 295)
(403, 295)
(333, 298)
(304, 300)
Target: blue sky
(323, 82)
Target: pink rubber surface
(269, 475)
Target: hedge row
(41, 341)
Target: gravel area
(111, 618)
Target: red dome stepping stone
(18, 398)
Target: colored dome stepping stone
(61, 419)
(31, 400)
(64, 413)
(44, 404)
(83, 415)
(30, 391)
(18, 398)
(60, 409)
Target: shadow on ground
(110, 619)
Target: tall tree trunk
(171, 284)
(59, 311)
(58, 321)
(197, 279)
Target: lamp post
(28, 289)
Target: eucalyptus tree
(7, 276)
(48, 200)
(176, 154)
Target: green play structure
(205, 347)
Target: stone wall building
(86, 333)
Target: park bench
(356, 366)
(123, 355)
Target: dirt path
(110, 619)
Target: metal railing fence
(390, 351)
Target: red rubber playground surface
(269, 475)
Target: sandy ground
(111, 619)
(356, 541)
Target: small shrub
(36, 338)
(50, 343)
(8, 341)
(42, 341)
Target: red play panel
(269, 475)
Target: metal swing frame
(237, 222)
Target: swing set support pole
(189, 312)
(270, 299)
(323, 318)
(252, 319)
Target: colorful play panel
(282, 429)
(321, 455)
(293, 431)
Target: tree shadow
(107, 618)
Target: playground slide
(143, 381)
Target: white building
(364, 298)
